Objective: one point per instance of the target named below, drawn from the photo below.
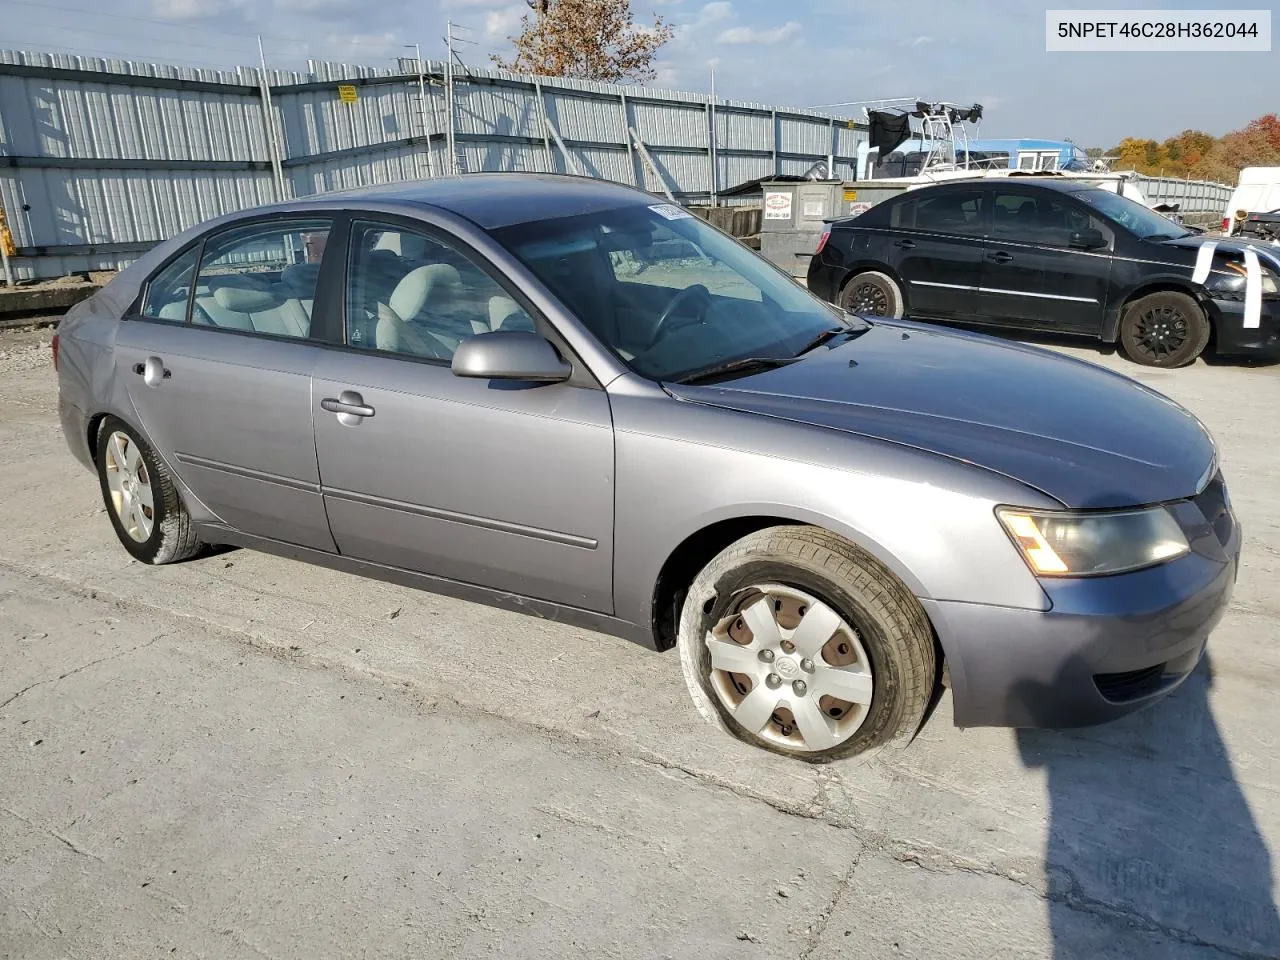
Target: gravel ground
(244, 756)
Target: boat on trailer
(940, 149)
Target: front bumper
(1106, 647)
(1232, 338)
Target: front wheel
(1164, 329)
(141, 498)
(873, 294)
(794, 640)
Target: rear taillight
(54, 346)
(1226, 225)
(822, 241)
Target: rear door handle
(349, 406)
(1000, 257)
(152, 371)
(905, 244)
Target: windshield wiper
(830, 334)
(741, 365)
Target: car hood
(1267, 250)
(1082, 434)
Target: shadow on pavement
(1150, 831)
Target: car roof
(1061, 185)
(495, 200)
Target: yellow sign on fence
(851, 194)
(347, 93)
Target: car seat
(244, 302)
(392, 330)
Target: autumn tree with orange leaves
(586, 39)
(1201, 156)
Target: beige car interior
(432, 306)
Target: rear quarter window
(169, 290)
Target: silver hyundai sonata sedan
(562, 397)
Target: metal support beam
(636, 178)
(569, 160)
(831, 157)
(711, 142)
(546, 125)
(269, 120)
(448, 98)
(773, 138)
(648, 162)
(422, 106)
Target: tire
(873, 294)
(158, 532)
(882, 646)
(1164, 329)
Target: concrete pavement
(337, 767)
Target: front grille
(1130, 685)
(1212, 502)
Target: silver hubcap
(790, 670)
(129, 481)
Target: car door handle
(905, 244)
(152, 371)
(349, 402)
(1000, 257)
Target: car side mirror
(510, 355)
(1087, 239)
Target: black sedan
(1054, 256)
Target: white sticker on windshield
(671, 211)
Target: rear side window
(261, 278)
(958, 212)
(169, 290)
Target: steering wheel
(685, 297)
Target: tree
(586, 39)
(1199, 155)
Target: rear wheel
(794, 640)
(873, 294)
(141, 498)
(1164, 329)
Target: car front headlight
(1068, 544)
(1235, 280)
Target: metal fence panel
(804, 136)
(505, 111)
(386, 166)
(579, 118)
(316, 122)
(607, 164)
(671, 125)
(739, 131)
(1194, 196)
(105, 154)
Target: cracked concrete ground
(243, 756)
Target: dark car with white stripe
(1054, 256)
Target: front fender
(682, 467)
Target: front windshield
(1134, 216)
(668, 294)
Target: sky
(802, 53)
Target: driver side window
(413, 294)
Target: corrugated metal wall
(1194, 196)
(101, 158)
